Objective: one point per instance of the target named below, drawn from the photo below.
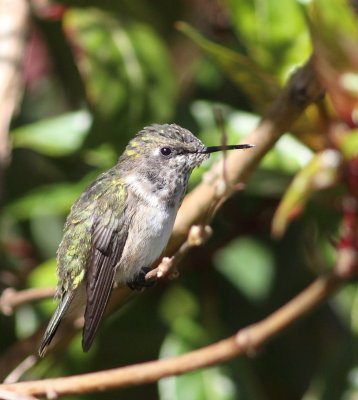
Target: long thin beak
(213, 149)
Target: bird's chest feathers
(151, 225)
(149, 233)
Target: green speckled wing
(92, 244)
(109, 235)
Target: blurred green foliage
(107, 69)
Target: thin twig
(11, 298)
(19, 351)
(19, 371)
(223, 187)
(245, 341)
(220, 122)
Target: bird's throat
(158, 191)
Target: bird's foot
(139, 282)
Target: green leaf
(274, 35)
(178, 295)
(44, 275)
(248, 264)
(254, 81)
(349, 145)
(55, 137)
(47, 232)
(288, 155)
(321, 172)
(125, 68)
(182, 320)
(159, 91)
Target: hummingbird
(122, 223)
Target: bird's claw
(139, 282)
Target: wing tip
(86, 343)
(88, 335)
(47, 339)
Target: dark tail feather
(55, 322)
(93, 317)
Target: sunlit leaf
(354, 311)
(349, 145)
(274, 35)
(321, 172)
(44, 275)
(288, 155)
(57, 136)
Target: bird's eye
(166, 151)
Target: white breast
(150, 228)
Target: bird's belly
(148, 235)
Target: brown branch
(11, 298)
(245, 341)
(6, 395)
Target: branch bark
(5, 395)
(245, 341)
(11, 298)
